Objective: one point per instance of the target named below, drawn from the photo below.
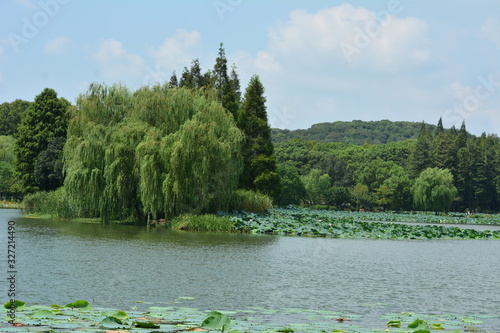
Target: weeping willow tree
(157, 152)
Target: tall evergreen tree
(444, 150)
(462, 137)
(227, 85)
(232, 99)
(420, 154)
(221, 78)
(462, 174)
(173, 81)
(259, 169)
(186, 80)
(44, 120)
(439, 128)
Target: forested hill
(353, 132)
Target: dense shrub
(55, 204)
(207, 222)
(251, 201)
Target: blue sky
(320, 61)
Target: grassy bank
(207, 222)
(11, 204)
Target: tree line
(438, 170)
(353, 132)
(197, 143)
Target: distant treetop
(354, 132)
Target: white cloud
(57, 45)
(353, 35)
(116, 63)
(2, 52)
(490, 29)
(176, 51)
(305, 70)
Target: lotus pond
(263, 283)
(79, 316)
(304, 222)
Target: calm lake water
(115, 266)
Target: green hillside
(353, 132)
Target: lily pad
(471, 321)
(111, 322)
(80, 304)
(43, 314)
(19, 305)
(216, 321)
(394, 323)
(418, 325)
(145, 324)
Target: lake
(115, 266)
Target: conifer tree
(173, 81)
(259, 168)
(226, 85)
(232, 100)
(420, 155)
(186, 80)
(444, 152)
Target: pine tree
(420, 154)
(186, 80)
(444, 152)
(462, 137)
(259, 169)
(227, 86)
(221, 78)
(173, 81)
(44, 120)
(232, 100)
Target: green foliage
(227, 85)
(334, 224)
(48, 171)
(18, 305)
(353, 132)
(420, 156)
(44, 120)
(7, 157)
(362, 196)
(157, 152)
(419, 326)
(292, 187)
(434, 190)
(55, 203)
(251, 201)
(218, 321)
(80, 304)
(316, 185)
(206, 222)
(11, 115)
(389, 170)
(259, 167)
(41, 318)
